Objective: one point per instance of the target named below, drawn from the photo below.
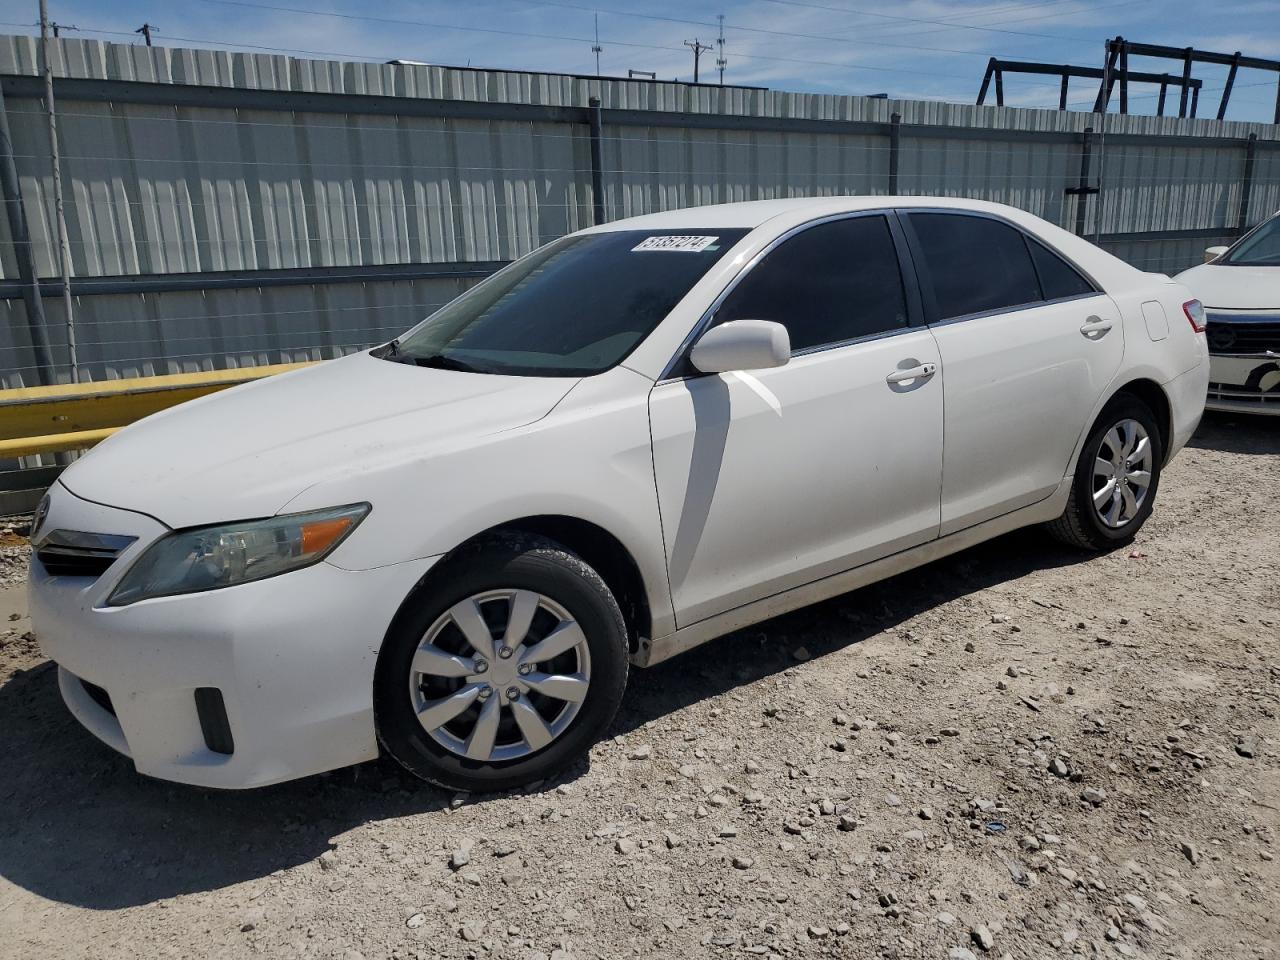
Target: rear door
(770, 479)
(1028, 345)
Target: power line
(902, 19)
(823, 38)
(490, 30)
(895, 30)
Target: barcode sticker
(675, 244)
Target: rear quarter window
(1058, 279)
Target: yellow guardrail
(71, 416)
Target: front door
(771, 479)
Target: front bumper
(1244, 357)
(292, 657)
(1245, 384)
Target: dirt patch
(1016, 751)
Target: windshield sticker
(676, 244)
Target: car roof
(753, 213)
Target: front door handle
(914, 373)
(1095, 328)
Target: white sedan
(638, 437)
(1240, 287)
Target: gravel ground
(1019, 751)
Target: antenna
(721, 62)
(597, 48)
(698, 48)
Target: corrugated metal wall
(324, 196)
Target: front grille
(1243, 334)
(71, 553)
(99, 696)
(1238, 394)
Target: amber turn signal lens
(319, 535)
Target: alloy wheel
(1122, 473)
(500, 675)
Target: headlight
(206, 558)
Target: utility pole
(721, 62)
(145, 30)
(597, 48)
(698, 49)
(64, 242)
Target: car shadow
(767, 648)
(82, 827)
(1238, 433)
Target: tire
(497, 578)
(1087, 526)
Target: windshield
(1258, 249)
(575, 307)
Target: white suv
(636, 438)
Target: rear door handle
(1095, 327)
(914, 373)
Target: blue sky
(912, 48)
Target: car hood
(247, 451)
(1234, 288)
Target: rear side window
(1058, 278)
(831, 283)
(976, 264)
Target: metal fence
(231, 209)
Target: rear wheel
(1116, 479)
(511, 664)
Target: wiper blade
(440, 362)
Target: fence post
(1082, 190)
(597, 161)
(64, 241)
(895, 147)
(17, 213)
(1246, 184)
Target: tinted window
(977, 264)
(573, 308)
(1258, 249)
(1057, 277)
(833, 282)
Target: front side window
(576, 307)
(828, 284)
(976, 264)
(1258, 249)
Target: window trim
(925, 278)
(679, 368)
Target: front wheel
(1116, 479)
(506, 670)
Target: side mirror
(1213, 253)
(742, 345)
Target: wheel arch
(596, 546)
(1153, 395)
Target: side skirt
(696, 634)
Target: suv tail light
(1195, 315)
